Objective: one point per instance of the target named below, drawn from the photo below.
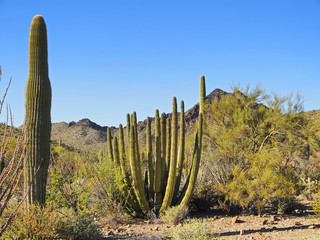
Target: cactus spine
(38, 116)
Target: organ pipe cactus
(164, 165)
(167, 200)
(109, 142)
(38, 116)
(158, 165)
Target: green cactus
(149, 158)
(202, 94)
(109, 143)
(163, 120)
(181, 150)
(167, 200)
(137, 182)
(116, 154)
(38, 116)
(158, 165)
(160, 189)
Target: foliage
(38, 222)
(194, 229)
(78, 227)
(35, 223)
(85, 183)
(256, 153)
(11, 166)
(175, 214)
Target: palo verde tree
(38, 116)
(255, 143)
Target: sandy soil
(269, 226)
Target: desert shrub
(174, 215)
(35, 223)
(256, 147)
(194, 229)
(78, 227)
(68, 185)
(286, 204)
(86, 183)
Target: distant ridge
(85, 132)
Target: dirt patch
(269, 226)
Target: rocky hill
(86, 132)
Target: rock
(128, 226)
(264, 222)
(120, 230)
(297, 223)
(241, 232)
(235, 219)
(312, 227)
(215, 217)
(258, 235)
(110, 233)
(274, 218)
(156, 229)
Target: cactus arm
(163, 150)
(202, 94)
(136, 175)
(116, 151)
(149, 157)
(181, 150)
(167, 200)
(158, 165)
(195, 168)
(109, 144)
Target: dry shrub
(35, 223)
(174, 215)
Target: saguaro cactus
(38, 117)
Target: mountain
(86, 132)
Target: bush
(36, 223)
(174, 215)
(79, 227)
(48, 223)
(195, 230)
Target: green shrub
(174, 215)
(195, 230)
(35, 223)
(79, 227)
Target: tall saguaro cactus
(38, 116)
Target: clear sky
(109, 58)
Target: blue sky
(109, 58)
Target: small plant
(80, 227)
(175, 215)
(35, 223)
(194, 229)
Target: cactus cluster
(158, 186)
(38, 117)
